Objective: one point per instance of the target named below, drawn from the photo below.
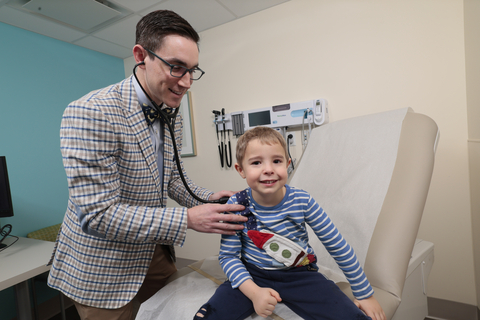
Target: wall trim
(439, 309)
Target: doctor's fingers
(225, 228)
(229, 208)
(229, 217)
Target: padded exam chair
(396, 263)
(371, 174)
(46, 234)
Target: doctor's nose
(186, 81)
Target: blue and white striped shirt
(288, 219)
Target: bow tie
(151, 114)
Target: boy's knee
(203, 312)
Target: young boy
(270, 260)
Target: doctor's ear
(139, 53)
(240, 170)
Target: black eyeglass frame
(176, 65)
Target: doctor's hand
(210, 218)
(221, 194)
(371, 307)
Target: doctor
(115, 246)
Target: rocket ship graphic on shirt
(281, 249)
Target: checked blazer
(116, 211)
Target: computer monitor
(6, 206)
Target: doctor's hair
(155, 26)
(265, 135)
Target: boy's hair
(266, 135)
(155, 26)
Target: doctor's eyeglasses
(179, 71)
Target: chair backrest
(371, 174)
(398, 223)
(47, 233)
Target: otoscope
(227, 162)
(165, 116)
(220, 149)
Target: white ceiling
(108, 26)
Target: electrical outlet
(291, 140)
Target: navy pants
(304, 290)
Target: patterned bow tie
(151, 114)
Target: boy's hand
(264, 301)
(372, 308)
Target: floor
(71, 314)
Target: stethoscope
(169, 119)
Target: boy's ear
(289, 162)
(240, 170)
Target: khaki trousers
(161, 267)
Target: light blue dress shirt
(156, 130)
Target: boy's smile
(265, 169)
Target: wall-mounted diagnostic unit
(281, 116)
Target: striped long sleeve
(288, 219)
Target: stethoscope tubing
(166, 117)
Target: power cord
(4, 232)
(289, 137)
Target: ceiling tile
(121, 33)
(137, 5)
(103, 46)
(118, 38)
(36, 24)
(246, 7)
(202, 15)
(83, 14)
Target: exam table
(371, 174)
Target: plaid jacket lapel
(139, 127)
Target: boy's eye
(277, 161)
(255, 163)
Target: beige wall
(363, 57)
(472, 54)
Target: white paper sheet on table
(182, 298)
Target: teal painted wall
(39, 76)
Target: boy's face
(265, 169)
